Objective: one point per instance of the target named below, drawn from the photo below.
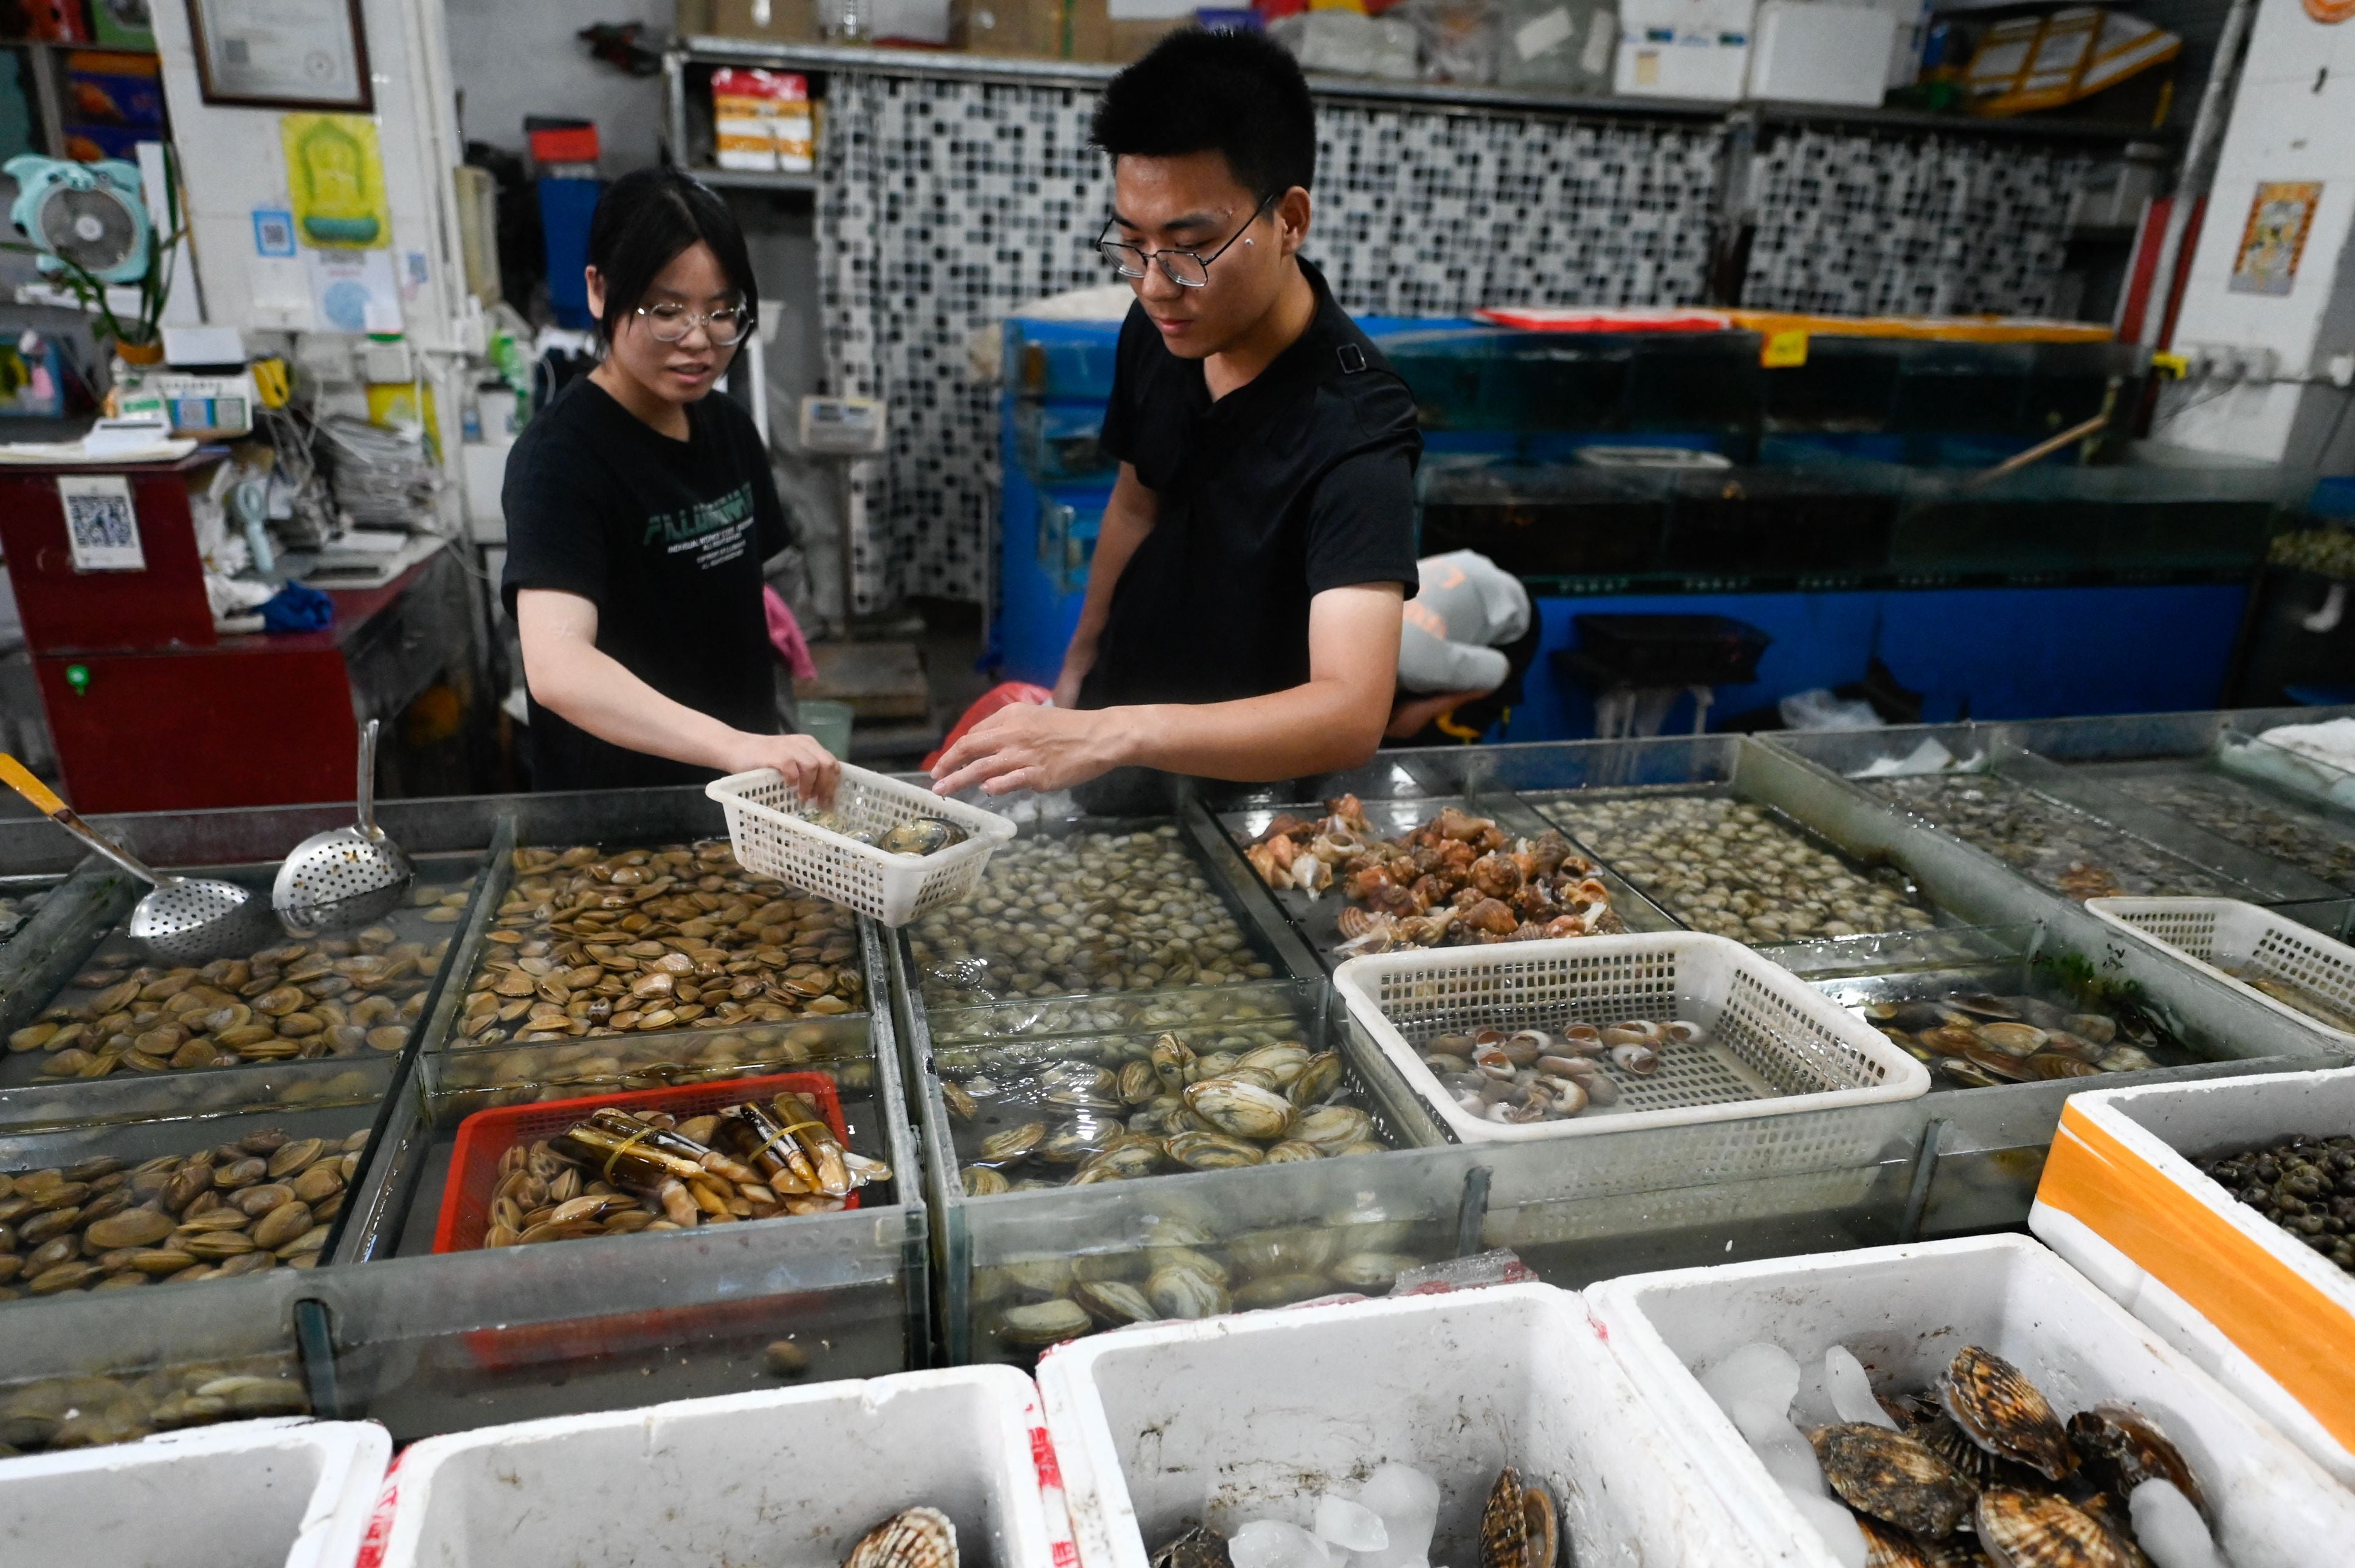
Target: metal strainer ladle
(186, 920)
(345, 876)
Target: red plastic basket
(486, 1136)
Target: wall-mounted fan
(90, 214)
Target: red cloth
(786, 636)
(1000, 695)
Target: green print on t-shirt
(704, 518)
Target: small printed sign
(273, 231)
(2273, 239)
(102, 527)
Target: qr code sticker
(101, 522)
(101, 525)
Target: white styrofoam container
(1231, 1419)
(1813, 51)
(783, 1478)
(1775, 1045)
(2257, 1264)
(248, 1494)
(768, 824)
(1905, 1312)
(2208, 933)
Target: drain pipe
(2199, 169)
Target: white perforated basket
(768, 823)
(2222, 935)
(1773, 1044)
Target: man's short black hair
(1239, 93)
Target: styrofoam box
(1905, 1312)
(1775, 1045)
(1813, 51)
(2162, 1128)
(2209, 933)
(784, 1478)
(290, 1493)
(1227, 1419)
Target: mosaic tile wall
(1919, 225)
(947, 202)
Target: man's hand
(1025, 745)
(808, 767)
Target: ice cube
(2169, 1529)
(1850, 1388)
(1271, 1544)
(1407, 1502)
(1351, 1526)
(1759, 1373)
(1790, 1459)
(1837, 1526)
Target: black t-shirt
(1299, 481)
(667, 538)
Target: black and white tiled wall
(947, 203)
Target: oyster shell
(2032, 1530)
(1998, 1408)
(1517, 1527)
(1892, 1475)
(919, 1538)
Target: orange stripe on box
(2300, 1337)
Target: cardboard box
(1055, 29)
(776, 21)
(1097, 37)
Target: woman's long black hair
(644, 220)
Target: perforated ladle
(186, 920)
(345, 877)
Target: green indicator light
(78, 677)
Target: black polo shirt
(1300, 480)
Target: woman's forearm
(595, 690)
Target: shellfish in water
(1998, 1408)
(1517, 1529)
(1892, 1476)
(919, 1538)
(920, 835)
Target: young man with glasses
(1242, 613)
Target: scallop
(919, 1538)
(1517, 1527)
(1893, 1476)
(1998, 1408)
(2120, 1447)
(2032, 1530)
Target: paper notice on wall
(2273, 241)
(101, 525)
(353, 290)
(1150, 10)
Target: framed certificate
(281, 54)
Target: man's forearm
(1319, 726)
(1118, 538)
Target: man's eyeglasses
(726, 327)
(1187, 268)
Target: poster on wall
(281, 54)
(2275, 237)
(101, 525)
(334, 173)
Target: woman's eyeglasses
(726, 327)
(1187, 268)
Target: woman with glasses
(639, 510)
(1242, 610)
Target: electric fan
(89, 214)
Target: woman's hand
(808, 767)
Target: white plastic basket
(2211, 933)
(1775, 1045)
(768, 823)
(1903, 1311)
(288, 1492)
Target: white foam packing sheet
(784, 1478)
(283, 1493)
(1905, 1312)
(2169, 1126)
(1232, 1419)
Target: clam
(1517, 1527)
(1076, 1139)
(981, 1182)
(1331, 1127)
(1043, 1323)
(1319, 1080)
(1998, 1408)
(921, 836)
(1014, 1144)
(1240, 1109)
(2012, 1039)
(1212, 1151)
(919, 1538)
(1893, 1476)
(2033, 1530)
(1173, 1062)
(1185, 1293)
(1112, 1302)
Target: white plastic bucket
(286, 1493)
(1905, 1312)
(789, 1478)
(1231, 1419)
